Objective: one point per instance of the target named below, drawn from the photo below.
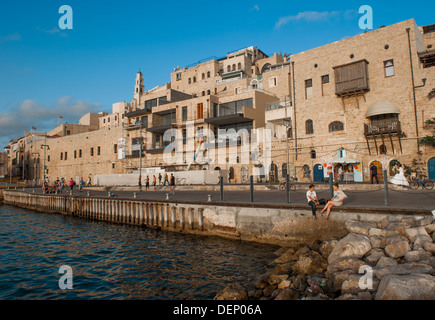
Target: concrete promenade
(362, 199)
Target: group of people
(61, 184)
(168, 180)
(314, 201)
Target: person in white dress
(400, 178)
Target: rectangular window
(66, 155)
(113, 165)
(61, 156)
(325, 80)
(389, 68)
(184, 136)
(308, 88)
(92, 152)
(98, 151)
(75, 154)
(48, 158)
(149, 104)
(80, 153)
(115, 148)
(273, 82)
(178, 76)
(200, 110)
(184, 114)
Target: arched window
(383, 149)
(239, 66)
(203, 76)
(336, 126)
(234, 67)
(228, 68)
(289, 133)
(208, 74)
(309, 129)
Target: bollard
(252, 188)
(385, 188)
(167, 196)
(331, 183)
(209, 197)
(287, 188)
(134, 195)
(88, 193)
(71, 193)
(222, 188)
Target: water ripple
(112, 261)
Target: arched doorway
(431, 168)
(307, 171)
(284, 170)
(244, 174)
(231, 174)
(318, 173)
(380, 171)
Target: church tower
(138, 88)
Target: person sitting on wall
(313, 201)
(337, 200)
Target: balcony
(393, 127)
(351, 78)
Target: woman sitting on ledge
(336, 201)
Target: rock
(316, 245)
(397, 248)
(352, 246)
(433, 236)
(267, 291)
(326, 248)
(374, 256)
(409, 287)
(234, 291)
(345, 264)
(347, 296)
(283, 250)
(430, 247)
(300, 283)
(290, 255)
(283, 268)
(275, 293)
(257, 294)
(352, 284)
(310, 264)
(284, 284)
(360, 227)
(409, 221)
(383, 232)
(403, 269)
(386, 262)
(412, 233)
(377, 242)
(276, 279)
(262, 280)
(427, 220)
(412, 256)
(288, 294)
(383, 224)
(398, 227)
(364, 295)
(430, 228)
(336, 280)
(420, 240)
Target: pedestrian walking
(160, 179)
(154, 182)
(71, 184)
(374, 174)
(89, 181)
(81, 184)
(140, 183)
(172, 186)
(147, 184)
(166, 179)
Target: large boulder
(403, 269)
(360, 227)
(412, 233)
(352, 285)
(288, 294)
(310, 263)
(352, 246)
(406, 287)
(427, 220)
(383, 232)
(234, 291)
(396, 247)
(326, 248)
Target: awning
(344, 160)
(383, 107)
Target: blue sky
(46, 72)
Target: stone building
(350, 103)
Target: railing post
(386, 189)
(222, 188)
(252, 188)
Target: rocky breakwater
(387, 260)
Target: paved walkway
(398, 199)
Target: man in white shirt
(313, 201)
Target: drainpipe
(413, 89)
(294, 110)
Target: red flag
(33, 128)
(60, 117)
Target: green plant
(429, 140)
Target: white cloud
(30, 113)
(10, 37)
(255, 8)
(314, 16)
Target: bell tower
(138, 87)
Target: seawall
(275, 224)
